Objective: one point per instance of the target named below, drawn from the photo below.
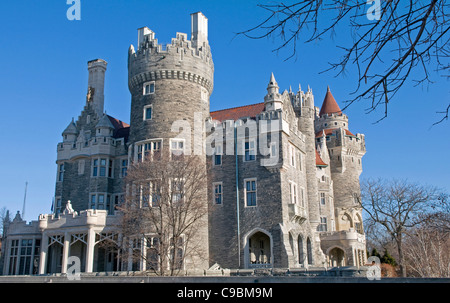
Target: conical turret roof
(104, 122)
(70, 129)
(329, 105)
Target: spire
(329, 105)
(273, 85)
(71, 129)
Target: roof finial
(328, 88)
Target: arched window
(301, 254)
(309, 251)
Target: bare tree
(427, 251)
(398, 206)
(392, 41)
(164, 210)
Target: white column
(65, 255)
(43, 257)
(90, 250)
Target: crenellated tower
(170, 87)
(169, 83)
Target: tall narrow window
(110, 168)
(95, 168)
(250, 150)
(93, 201)
(218, 193)
(61, 172)
(250, 192)
(293, 193)
(218, 155)
(58, 206)
(101, 201)
(322, 198)
(323, 224)
(148, 112)
(124, 168)
(102, 167)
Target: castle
(284, 198)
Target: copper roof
(329, 105)
(238, 112)
(319, 161)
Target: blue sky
(43, 83)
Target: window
(102, 167)
(26, 252)
(293, 193)
(273, 150)
(61, 172)
(155, 193)
(101, 201)
(124, 168)
(302, 196)
(147, 112)
(110, 168)
(14, 251)
(58, 205)
(218, 155)
(323, 224)
(93, 202)
(177, 188)
(292, 155)
(300, 161)
(204, 94)
(148, 149)
(218, 194)
(149, 88)
(177, 147)
(95, 168)
(250, 192)
(322, 198)
(250, 150)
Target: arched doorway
(258, 250)
(336, 257)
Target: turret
(273, 99)
(345, 152)
(96, 85)
(70, 133)
(104, 127)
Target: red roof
(329, 131)
(121, 129)
(319, 161)
(329, 105)
(238, 112)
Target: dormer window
(149, 88)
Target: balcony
(297, 213)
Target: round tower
(170, 86)
(345, 151)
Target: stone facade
(283, 174)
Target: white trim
(214, 193)
(144, 116)
(145, 85)
(245, 191)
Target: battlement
(181, 59)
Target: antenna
(24, 200)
